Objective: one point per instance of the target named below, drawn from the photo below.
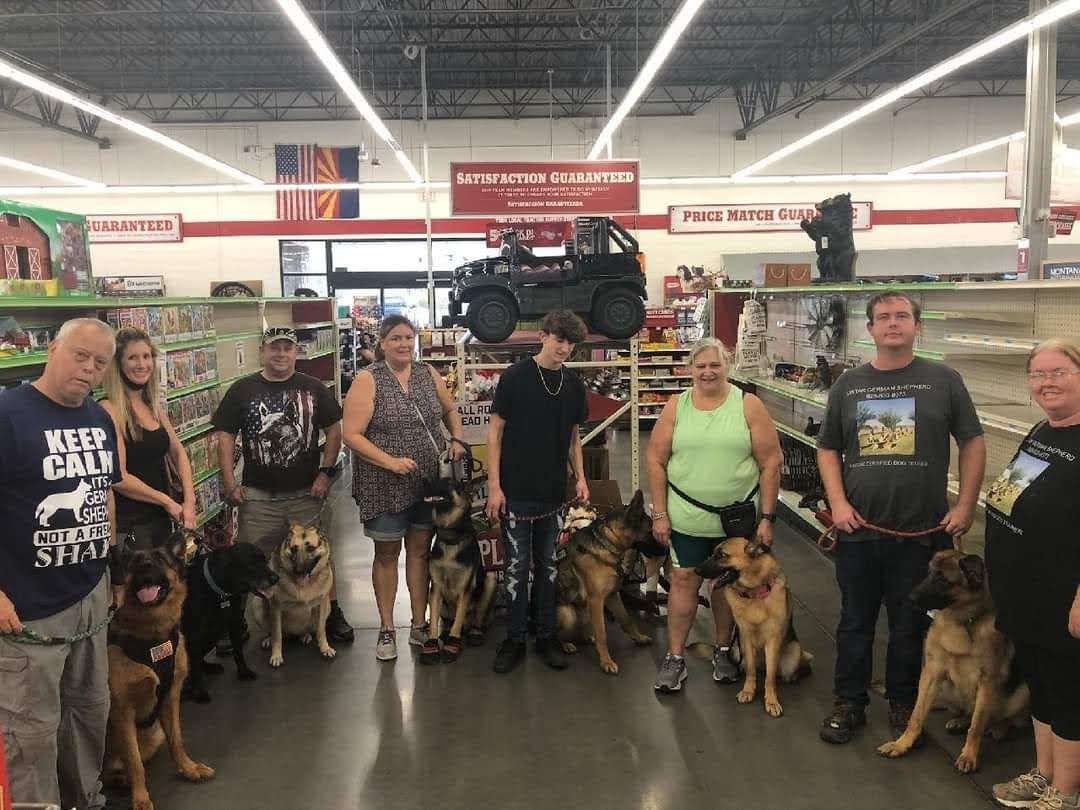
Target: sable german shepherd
(967, 663)
(147, 666)
(458, 579)
(300, 602)
(588, 579)
(756, 589)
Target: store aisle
(357, 733)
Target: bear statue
(831, 231)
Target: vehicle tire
(492, 316)
(233, 289)
(618, 313)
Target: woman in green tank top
(719, 446)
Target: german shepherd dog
(218, 585)
(967, 663)
(300, 602)
(458, 579)
(589, 577)
(756, 589)
(147, 666)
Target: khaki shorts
(264, 516)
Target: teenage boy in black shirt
(883, 452)
(534, 431)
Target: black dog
(218, 585)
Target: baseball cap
(280, 333)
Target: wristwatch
(329, 472)
(769, 516)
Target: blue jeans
(530, 540)
(870, 572)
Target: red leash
(827, 541)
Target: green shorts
(690, 551)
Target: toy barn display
(45, 252)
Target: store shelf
(237, 336)
(28, 359)
(109, 302)
(194, 432)
(929, 354)
(189, 344)
(191, 389)
(314, 325)
(797, 435)
(206, 516)
(1015, 419)
(657, 351)
(658, 377)
(993, 317)
(203, 476)
(783, 388)
(993, 343)
(791, 501)
(869, 288)
(662, 387)
(317, 354)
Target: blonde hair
(1069, 348)
(117, 391)
(704, 345)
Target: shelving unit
(984, 330)
(231, 329)
(661, 384)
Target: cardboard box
(603, 494)
(798, 275)
(774, 275)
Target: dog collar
(222, 594)
(760, 592)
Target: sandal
(451, 649)
(474, 637)
(429, 652)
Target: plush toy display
(831, 231)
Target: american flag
(296, 164)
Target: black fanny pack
(738, 519)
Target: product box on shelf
(197, 330)
(185, 329)
(124, 318)
(153, 323)
(798, 275)
(174, 409)
(56, 248)
(771, 275)
(208, 320)
(197, 454)
(199, 365)
(189, 415)
(170, 324)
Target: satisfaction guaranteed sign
(757, 217)
(106, 228)
(545, 187)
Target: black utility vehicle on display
(601, 278)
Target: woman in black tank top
(145, 509)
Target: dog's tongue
(148, 594)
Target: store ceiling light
(63, 177)
(1007, 36)
(663, 47)
(300, 19)
(40, 85)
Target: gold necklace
(543, 382)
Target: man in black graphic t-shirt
(59, 464)
(883, 452)
(278, 413)
(534, 431)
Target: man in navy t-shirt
(59, 464)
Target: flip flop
(429, 652)
(451, 649)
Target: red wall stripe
(475, 227)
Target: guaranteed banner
(756, 217)
(543, 187)
(106, 228)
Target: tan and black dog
(589, 576)
(756, 589)
(147, 667)
(967, 662)
(458, 579)
(300, 602)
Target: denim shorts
(391, 527)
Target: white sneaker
(418, 634)
(386, 646)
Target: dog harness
(760, 592)
(159, 656)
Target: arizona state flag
(306, 164)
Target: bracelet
(658, 515)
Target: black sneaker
(337, 629)
(839, 727)
(899, 715)
(509, 655)
(551, 651)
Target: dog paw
(956, 725)
(892, 749)
(213, 668)
(966, 762)
(247, 675)
(327, 652)
(307, 639)
(610, 667)
(745, 696)
(197, 772)
(773, 707)
(642, 640)
(276, 660)
(569, 647)
(265, 643)
(141, 803)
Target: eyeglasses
(1056, 375)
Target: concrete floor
(357, 733)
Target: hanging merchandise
(826, 323)
(750, 347)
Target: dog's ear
(974, 571)
(754, 549)
(177, 547)
(637, 503)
